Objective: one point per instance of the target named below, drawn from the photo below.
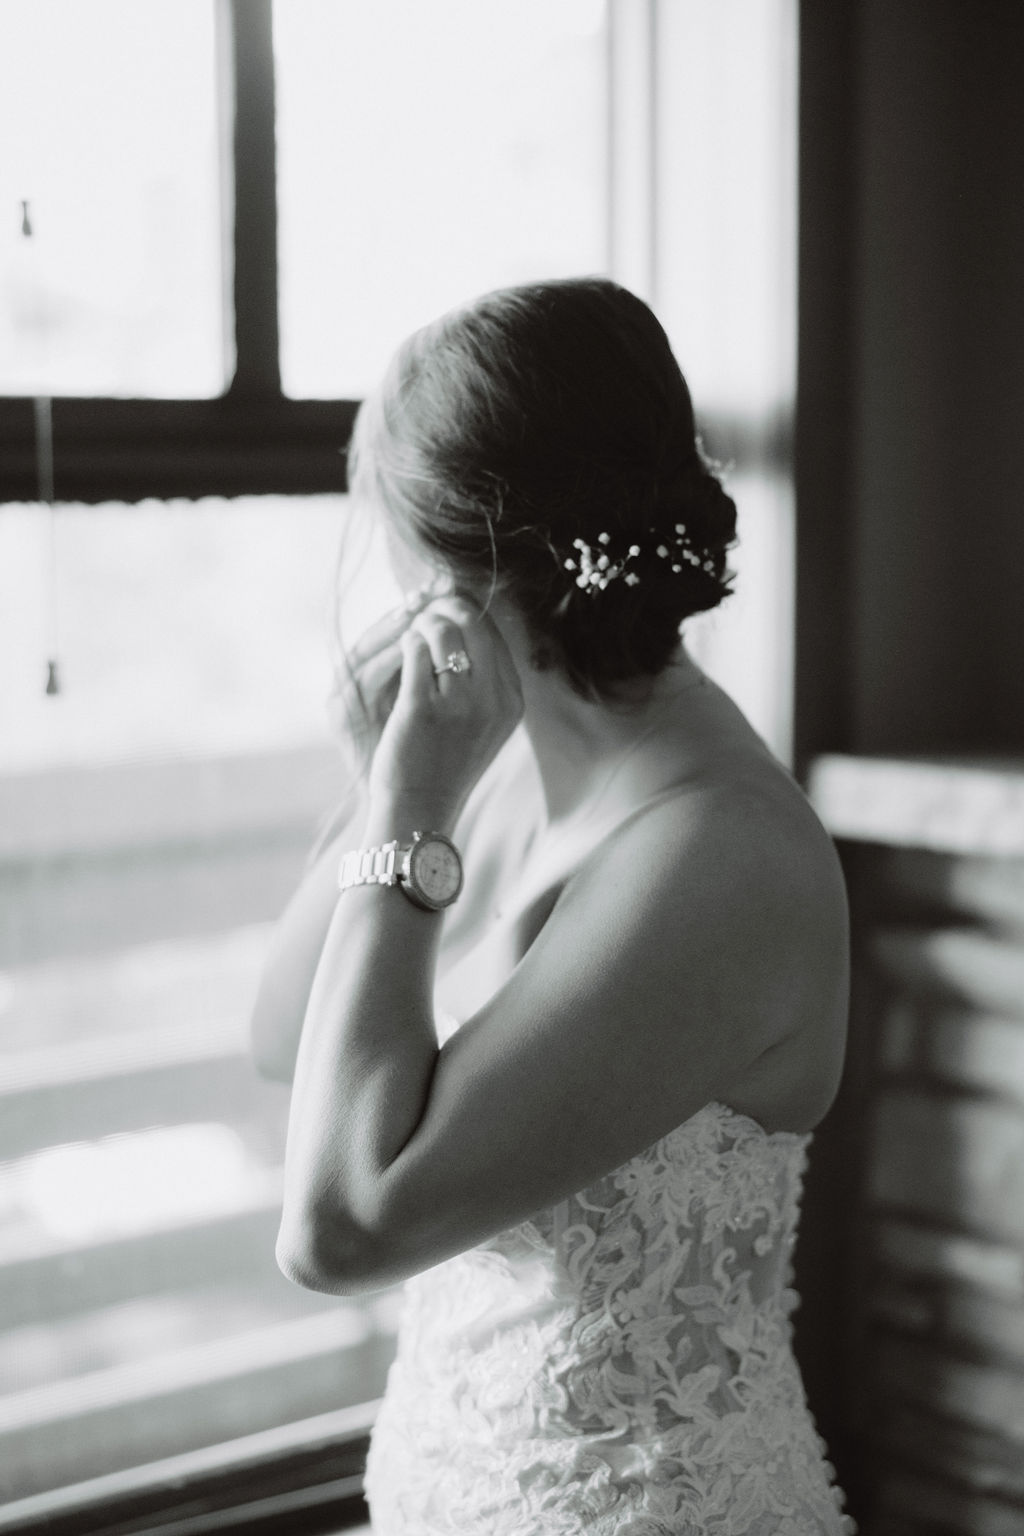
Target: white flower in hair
(595, 568)
(595, 571)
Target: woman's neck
(580, 745)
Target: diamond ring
(456, 661)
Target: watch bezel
(408, 880)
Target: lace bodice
(618, 1366)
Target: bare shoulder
(750, 835)
(736, 881)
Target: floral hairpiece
(596, 570)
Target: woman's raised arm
(295, 950)
(363, 701)
(699, 952)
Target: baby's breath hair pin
(597, 570)
(682, 550)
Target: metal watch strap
(369, 866)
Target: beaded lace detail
(617, 1366)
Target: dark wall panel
(912, 251)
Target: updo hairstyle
(530, 419)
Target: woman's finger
(483, 641)
(375, 673)
(363, 697)
(417, 679)
(386, 631)
(447, 723)
(445, 640)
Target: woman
(561, 1068)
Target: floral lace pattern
(618, 1366)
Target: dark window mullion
(248, 27)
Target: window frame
(304, 1479)
(253, 439)
(250, 439)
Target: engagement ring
(457, 661)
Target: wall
(910, 547)
(919, 1213)
(910, 456)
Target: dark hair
(540, 415)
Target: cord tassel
(44, 487)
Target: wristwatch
(428, 870)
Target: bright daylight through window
(109, 130)
(381, 160)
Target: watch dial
(436, 870)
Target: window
(376, 104)
(725, 288)
(111, 252)
(155, 814)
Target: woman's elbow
(333, 1258)
(302, 1267)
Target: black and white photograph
(511, 768)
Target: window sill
(304, 1477)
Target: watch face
(435, 871)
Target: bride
(565, 992)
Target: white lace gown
(617, 1366)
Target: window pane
(747, 644)
(141, 1311)
(727, 205)
(109, 129)
(182, 628)
(427, 153)
(156, 815)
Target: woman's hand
(362, 701)
(446, 724)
